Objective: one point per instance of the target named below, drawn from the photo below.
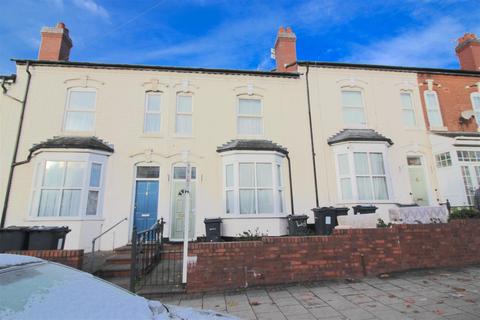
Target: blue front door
(146, 204)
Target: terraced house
(102, 142)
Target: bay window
(433, 109)
(67, 185)
(353, 108)
(153, 113)
(80, 110)
(183, 117)
(362, 175)
(253, 185)
(249, 117)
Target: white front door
(418, 180)
(178, 203)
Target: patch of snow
(9, 260)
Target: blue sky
(239, 34)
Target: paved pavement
(437, 294)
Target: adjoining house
(451, 101)
(103, 142)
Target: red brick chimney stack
(286, 50)
(468, 52)
(56, 43)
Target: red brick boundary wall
(71, 258)
(352, 253)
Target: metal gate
(156, 266)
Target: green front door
(418, 181)
(178, 203)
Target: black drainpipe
(311, 137)
(17, 143)
(290, 183)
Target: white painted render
(119, 121)
(119, 118)
(381, 99)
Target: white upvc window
(433, 109)
(249, 117)
(184, 115)
(475, 97)
(80, 110)
(153, 112)
(253, 184)
(353, 107)
(362, 175)
(68, 186)
(443, 160)
(408, 110)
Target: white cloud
(92, 7)
(432, 45)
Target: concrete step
(115, 270)
(124, 249)
(120, 258)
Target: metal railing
(146, 252)
(98, 237)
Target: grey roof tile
(357, 135)
(73, 143)
(252, 145)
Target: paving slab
(422, 295)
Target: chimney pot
(468, 52)
(55, 44)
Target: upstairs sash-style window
(153, 112)
(353, 109)
(476, 105)
(433, 109)
(408, 112)
(80, 110)
(249, 117)
(184, 113)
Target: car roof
(14, 260)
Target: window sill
(179, 136)
(64, 219)
(250, 136)
(77, 133)
(438, 128)
(151, 135)
(227, 216)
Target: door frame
(134, 192)
(172, 188)
(425, 172)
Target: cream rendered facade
(119, 120)
(380, 91)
